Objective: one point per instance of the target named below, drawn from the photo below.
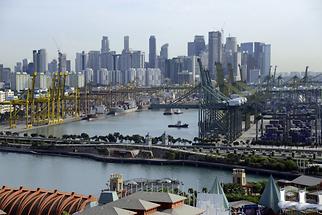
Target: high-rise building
(24, 65)
(18, 67)
(62, 64)
(126, 43)
(191, 48)
(125, 61)
(164, 51)
(68, 65)
(40, 60)
(152, 52)
(20, 81)
(199, 44)
(266, 59)
(214, 51)
(80, 62)
(94, 63)
(231, 44)
(105, 47)
(138, 59)
(52, 66)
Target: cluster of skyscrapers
(250, 62)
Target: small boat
(179, 125)
(168, 112)
(178, 111)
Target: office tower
(35, 60)
(164, 51)
(31, 68)
(266, 59)
(105, 46)
(18, 67)
(62, 64)
(40, 60)
(80, 62)
(5, 74)
(138, 59)
(191, 48)
(24, 65)
(152, 52)
(52, 66)
(247, 48)
(1, 70)
(231, 44)
(125, 61)
(68, 65)
(214, 51)
(94, 63)
(126, 43)
(199, 45)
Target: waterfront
(89, 177)
(149, 121)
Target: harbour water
(149, 121)
(89, 177)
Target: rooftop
(107, 210)
(308, 181)
(158, 197)
(133, 204)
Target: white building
(140, 76)
(20, 81)
(43, 81)
(153, 77)
(104, 76)
(89, 75)
(76, 80)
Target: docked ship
(125, 107)
(179, 125)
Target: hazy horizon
(292, 27)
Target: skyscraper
(199, 45)
(152, 52)
(24, 65)
(164, 51)
(52, 66)
(105, 47)
(80, 62)
(138, 59)
(62, 64)
(126, 43)
(215, 51)
(40, 60)
(94, 63)
(191, 48)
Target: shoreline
(160, 162)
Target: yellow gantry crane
(47, 108)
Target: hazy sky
(293, 27)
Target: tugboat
(168, 111)
(178, 111)
(179, 125)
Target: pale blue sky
(293, 27)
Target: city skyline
(81, 32)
